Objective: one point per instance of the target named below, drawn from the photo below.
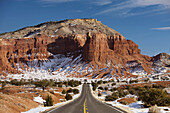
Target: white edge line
(55, 108)
(114, 108)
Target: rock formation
(87, 42)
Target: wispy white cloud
(57, 1)
(167, 20)
(77, 11)
(47, 5)
(162, 28)
(95, 2)
(127, 7)
(102, 2)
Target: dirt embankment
(15, 104)
(16, 99)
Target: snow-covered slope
(68, 66)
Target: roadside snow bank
(135, 107)
(37, 110)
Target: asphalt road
(86, 103)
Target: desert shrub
(121, 93)
(140, 88)
(95, 85)
(111, 98)
(113, 89)
(94, 88)
(124, 102)
(126, 92)
(106, 88)
(158, 86)
(115, 94)
(7, 82)
(79, 82)
(113, 83)
(164, 78)
(104, 82)
(99, 94)
(64, 91)
(55, 83)
(99, 82)
(124, 81)
(52, 92)
(44, 83)
(147, 87)
(66, 83)
(49, 101)
(70, 90)
(74, 83)
(50, 83)
(15, 82)
(19, 83)
(155, 96)
(75, 91)
(3, 85)
(68, 97)
(133, 81)
(60, 84)
(146, 80)
(131, 90)
(0, 97)
(101, 88)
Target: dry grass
(127, 101)
(16, 99)
(150, 84)
(14, 104)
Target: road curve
(86, 103)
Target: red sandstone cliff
(99, 45)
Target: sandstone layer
(98, 46)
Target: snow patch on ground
(37, 110)
(32, 34)
(136, 107)
(56, 30)
(39, 99)
(137, 104)
(69, 66)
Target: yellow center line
(85, 105)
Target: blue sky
(146, 22)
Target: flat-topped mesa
(66, 27)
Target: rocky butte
(75, 48)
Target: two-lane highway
(86, 103)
